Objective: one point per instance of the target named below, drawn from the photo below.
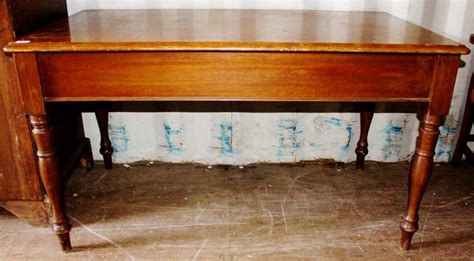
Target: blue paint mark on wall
(119, 138)
(347, 127)
(170, 135)
(346, 147)
(225, 139)
(288, 138)
(444, 147)
(314, 145)
(335, 122)
(393, 141)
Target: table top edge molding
(17, 47)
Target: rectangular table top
(235, 30)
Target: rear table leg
(366, 116)
(87, 160)
(105, 145)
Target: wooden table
(235, 55)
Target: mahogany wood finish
(234, 76)
(106, 148)
(362, 150)
(21, 190)
(48, 165)
(236, 55)
(18, 174)
(236, 30)
(431, 118)
(419, 175)
(48, 162)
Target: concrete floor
(267, 212)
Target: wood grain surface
(237, 30)
(18, 175)
(235, 76)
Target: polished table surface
(235, 55)
(254, 30)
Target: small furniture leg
(466, 125)
(420, 173)
(362, 150)
(106, 148)
(87, 160)
(48, 165)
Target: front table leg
(51, 177)
(420, 173)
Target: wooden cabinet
(20, 187)
(21, 190)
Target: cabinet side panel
(18, 173)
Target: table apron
(239, 76)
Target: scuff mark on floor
(199, 250)
(103, 237)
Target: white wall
(242, 138)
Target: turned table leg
(106, 148)
(419, 175)
(51, 177)
(362, 145)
